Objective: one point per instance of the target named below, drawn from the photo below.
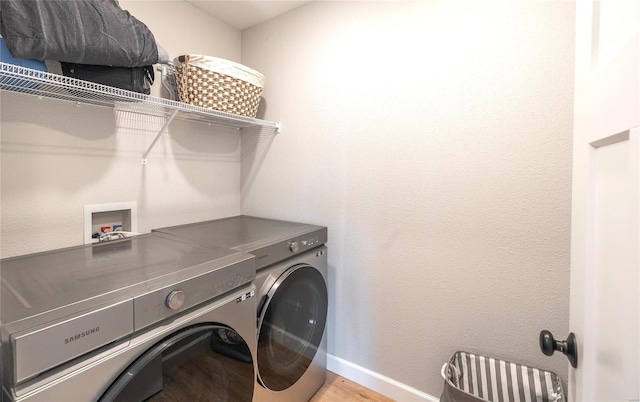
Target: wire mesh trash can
(472, 378)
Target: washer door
(201, 363)
(290, 326)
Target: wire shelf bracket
(162, 130)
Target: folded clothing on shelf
(5, 57)
(96, 32)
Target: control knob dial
(294, 246)
(175, 299)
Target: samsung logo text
(81, 335)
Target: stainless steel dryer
(146, 318)
(291, 284)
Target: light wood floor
(340, 389)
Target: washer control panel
(303, 244)
(275, 251)
(207, 282)
(310, 242)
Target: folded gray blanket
(95, 32)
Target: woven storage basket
(218, 84)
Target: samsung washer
(147, 318)
(291, 285)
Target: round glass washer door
(202, 363)
(290, 326)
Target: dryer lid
(244, 233)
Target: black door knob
(548, 345)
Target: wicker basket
(218, 84)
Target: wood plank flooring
(340, 389)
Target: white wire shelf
(47, 85)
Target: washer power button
(294, 246)
(175, 299)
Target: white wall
(56, 157)
(434, 140)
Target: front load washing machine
(147, 318)
(291, 286)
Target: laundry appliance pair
(177, 314)
(291, 297)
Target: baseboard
(377, 382)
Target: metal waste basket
(470, 377)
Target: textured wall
(434, 140)
(56, 157)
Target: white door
(605, 257)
